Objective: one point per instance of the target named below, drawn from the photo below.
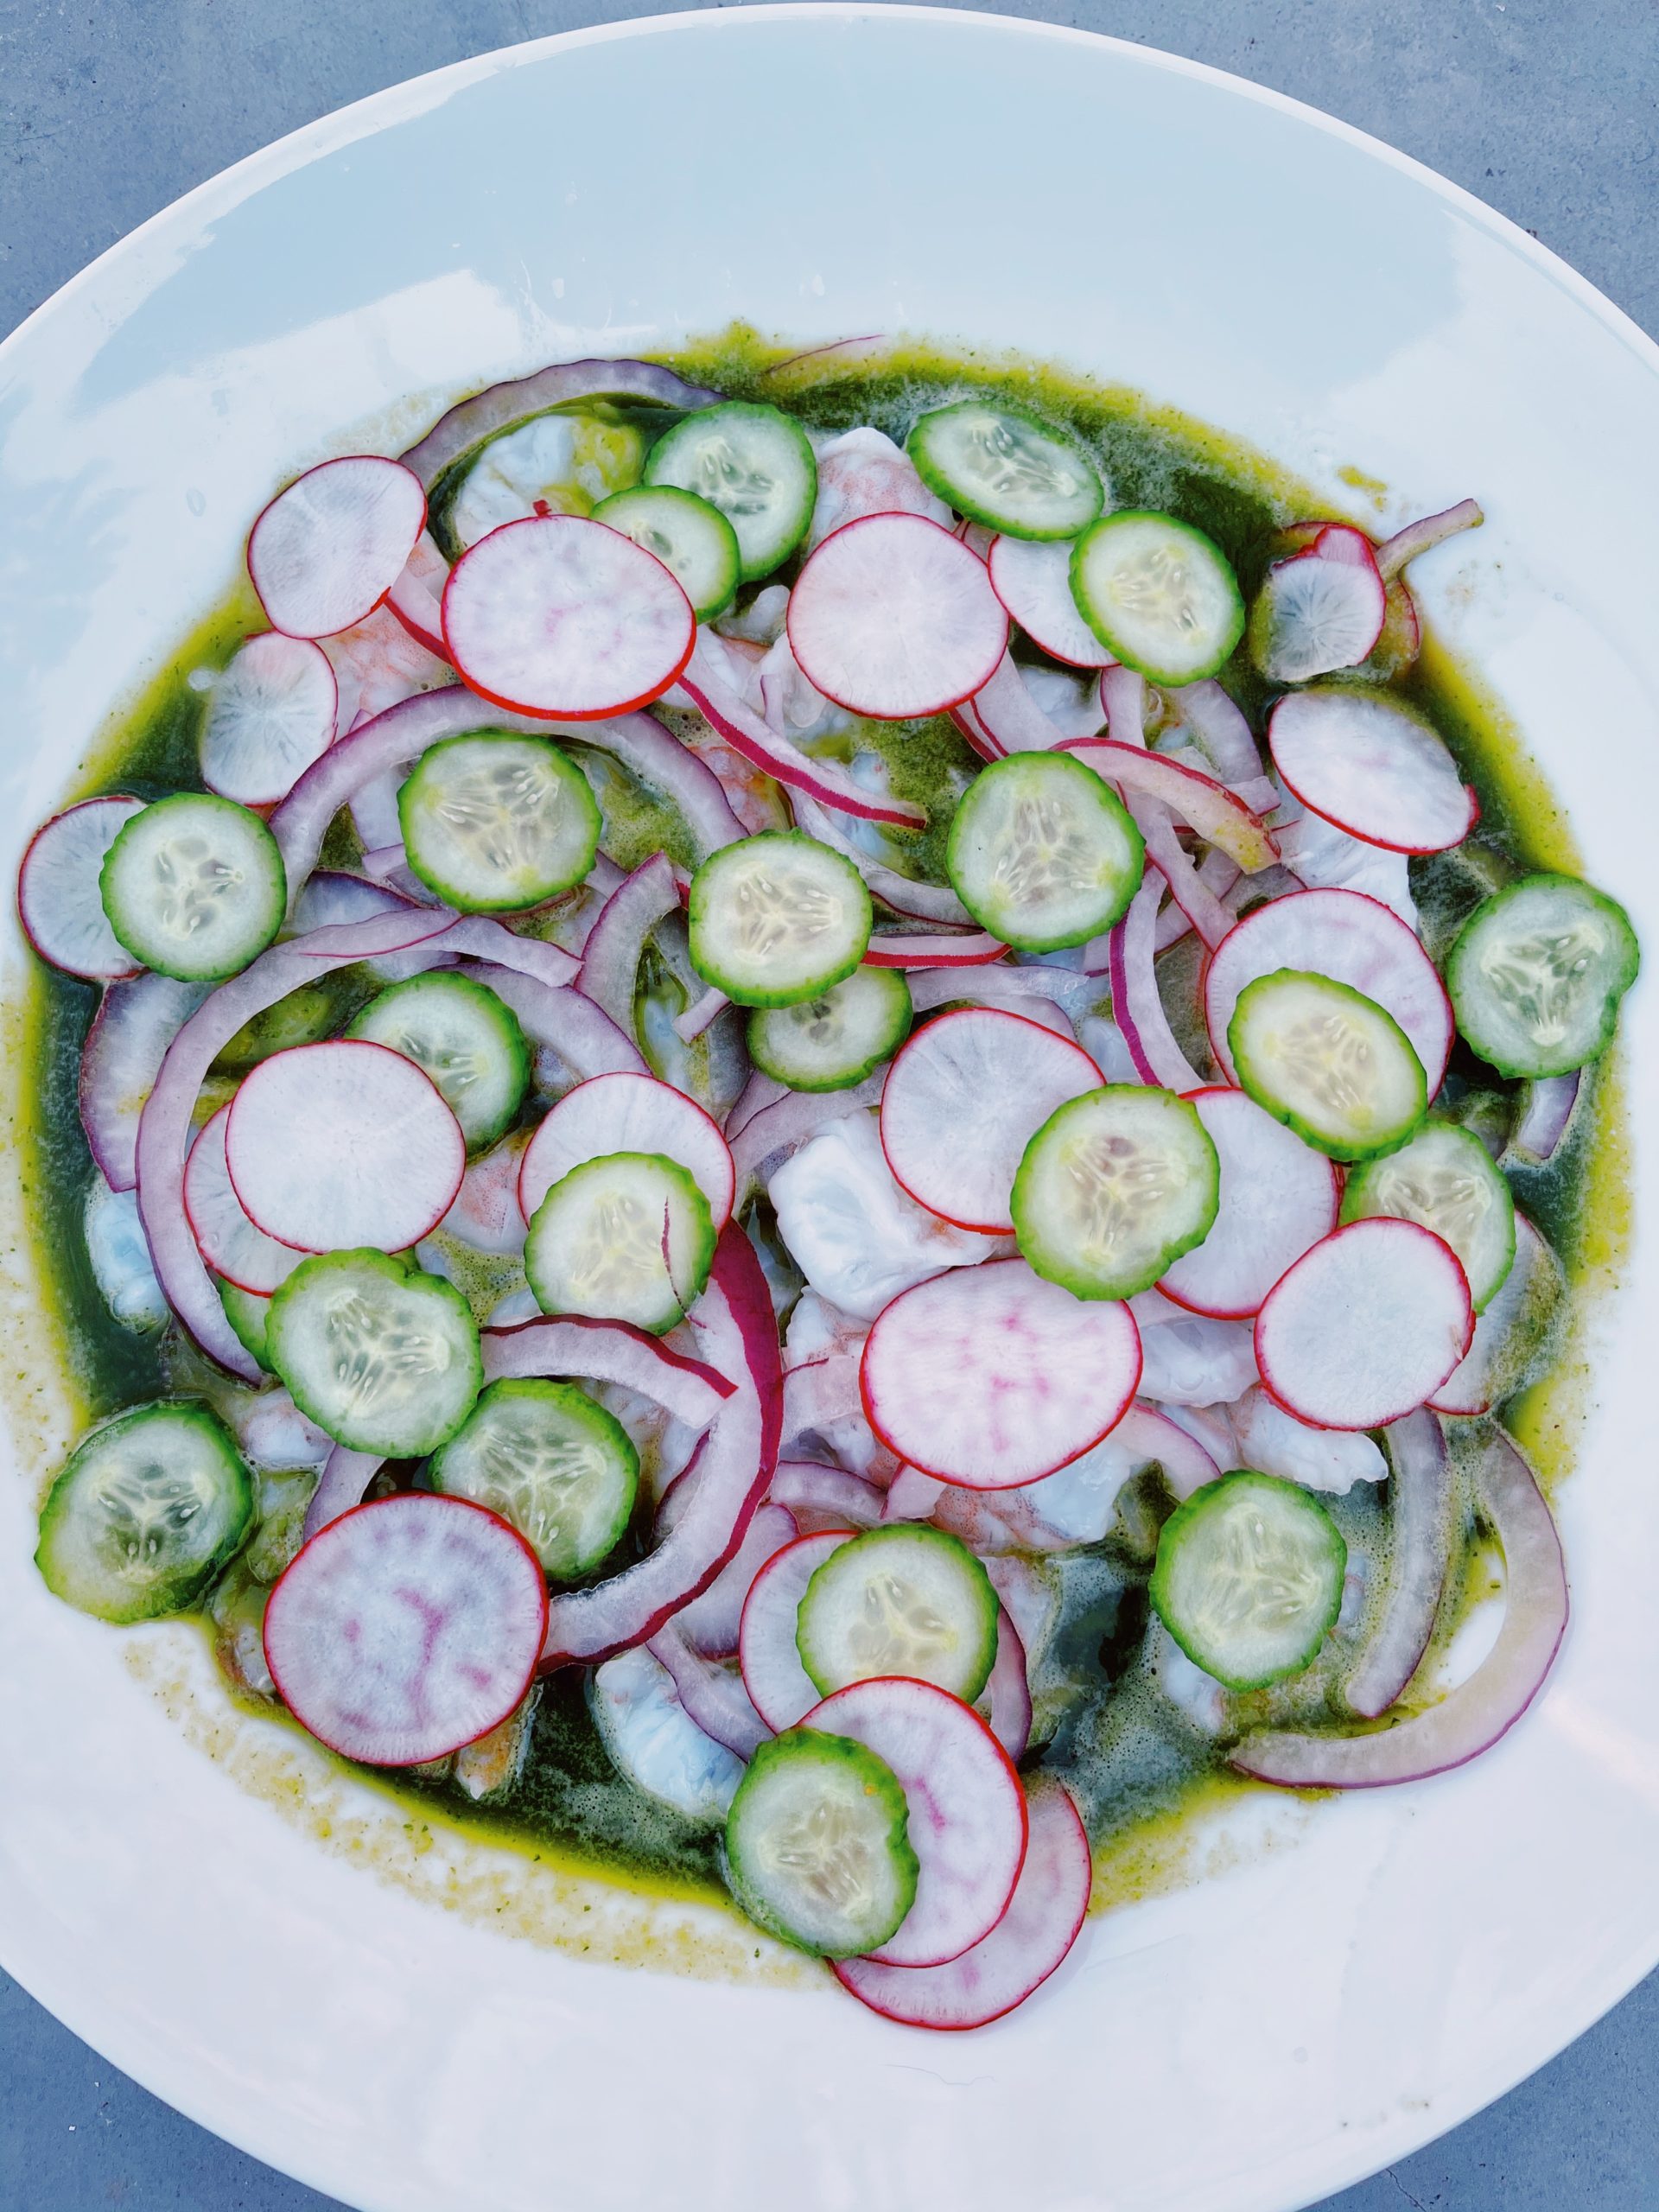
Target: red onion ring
(1419, 1503)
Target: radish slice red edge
(710, 1623)
(1321, 609)
(1279, 1198)
(628, 1113)
(59, 901)
(1032, 579)
(907, 949)
(1420, 1518)
(271, 713)
(416, 597)
(1376, 772)
(782, 1691)
(232, 1245)
(326, 551)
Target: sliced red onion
(658, 758)
(826, 1498)
(710, 1623)
(968, 948)
(610, 1351)
(968, 720)
(925, 902)
(1136, 1006)
(912, 1496)
(138, 1021)
(1216, 813)
(1470, 1719)
(1420, 1516)
(820, 1392)
(1123, 697)
(690, 1025)
(503, 404)
(616, 944)
(768, 1138)
(344, 1476)
(1197, 902)
(1000, 987)
(1538, 1135)
(1222, 731)
(1009, 714)
(757, 1094)
(711, 1691)
(1419, 537)
(564, 1025)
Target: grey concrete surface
(109, 109)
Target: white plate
(1309, 2011)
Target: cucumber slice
(752, 463)
(1158, 594)
(147, 1510)
(831, 1041)
(495, 824)
(1043, 853)
(194, 886)
(382, 1357)
(1328, 1063)
(248, 1313)
(1006, 469)
(463, 1036)
(544, 1456)
(692, 539)
(1445, 1179)
(778, 919)
(562, 463)
(908, 1599)
(1113, 1188)
(627, 1237)
(1537, 974)
(818, 1844)
(1248, 1578)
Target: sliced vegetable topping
(752, 463)
(58, 899)
(1007, 468)
(194, 886)
(817, 1849)
(269, 716)
(232, 1245)
(384, 1358)
(1042, 852)
(1373, 768)
(1445, 1179)
(1034, 582)
(1321, 609)
(462, 1036)
(782, 1690)
(1327, 1062)
(778, 920)
(1537, 974)
(1248, 1578)
(1113, 1188)
(1278, 1198)
(1159, 594)
(627, 1113)
(624, 1237)
(553, 1462)
(565, 461)
(495, 824)
(901, 1600)
(833, 1041)
(692, 539)
(326, 551)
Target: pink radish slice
(1032, 579)
(711, 1691)
(561, 617)
(330, 1146)
(1502, 1351)
(911, 948)
(1204, 805)
(710, 1622)
(1420, 1499)
(271, 714)
(1044, 1919)
(1007, 1693)
(782, 1691)
(1278, 1198)
(1365, 1326)
(1136, 1006)
(416, 598)
(864, 473)
(59, 901)
(991, 1377)
(1375, 771)
(892, 617)
(327, 550)
(1320, 610)
(125, 1046)
(609, 1351)
(345, 1475)
(1470, 1719)
(963, 1099)
(231, 1245)
(827, 1496)
(1350, 939)
(628, 1113)
(967, 1809)
(407, 1628)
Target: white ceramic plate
(1311, 2010)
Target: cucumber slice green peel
(247, 1314)
(691, 538)
(1158, 594)
(465, 1038)
(194, 886)
(752, 463)
(1444, 1179)
(1329, 1062)
(147, 1510)
(818, 1844)
(1004, 468)
(1113, 1188)
(494, 823)
(563, 1470)
(1248, 1578)
(778, 919)
(1537, 974)
(835, 1040)
(1043, 853)
(902, 1600)
(625, 1237)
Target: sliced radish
(416, 598)
(59, 901)
(407, 1628)
(628, 1113)
(1278, 1198)
(327, 550)
(780, 1687)
(560, 617)
(1322, 609)
(271, 714)
(1204, 805)
(120, 1060)
(711, 1621)
(892, 617)
(1044, 1919)
(991, 1377)
(1366, 1326)
(1507, 1337)
(963, 1099)
(1372, 768)
(863, 472)
(1352, 939)
(231, 1244)
(911, 948)
(967, 1809)
(1032, 579)
(335, 1146)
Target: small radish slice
(335, 1146)
(271, 714)
(1044, 1919)
(967, 1809)
(991, 1377)
(1320, 610)
(1033, 578)
(1007, 1693)
(561, 617)
(1363, 1329)
(892, 617)
(779, 1688)
(416, 597)
(1278, 1197)
(628, 1113)
(407, 1628)
(231, 1244)
(710, 1623)
(326, 551)
(1352, 939)
(962, 1102)
(59, 901)
(1372, 768)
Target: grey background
(109, 109)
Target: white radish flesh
(1322, 609)
(628, 1113)
(326, 551)
(59, 899)
(779, 1688)
(1372, 768)
(271, 714)
(1032, 579)
(231, 1244)
(1278, 1198)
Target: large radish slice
(628, 1113)
(779, 1688)
(1033, 578)
(271, 714)
(991, 1377)
(1349, 938)
(232, 1246)
(962, 1102)
(1363, 1328)
(892, 617)
(967, 1809)
(59, 901)
(335, 1146)
(1044, 1919)
(407, 1628)
(1371, 767)
(326, 551)
(561, 617)
(416, 597)
(1278, 1197)
(1322, 609)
